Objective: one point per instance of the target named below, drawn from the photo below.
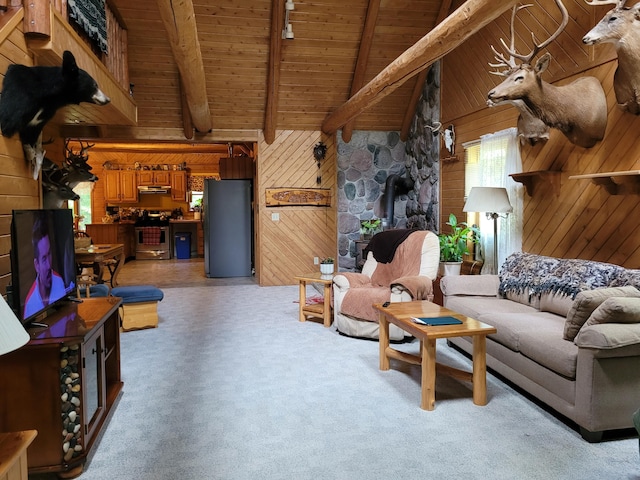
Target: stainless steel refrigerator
(227, 223)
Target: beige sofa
(568, 334)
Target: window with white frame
(488, 163)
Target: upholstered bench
(139, 305)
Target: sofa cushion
(547, 347)
(616, 310)
(587, 301)
(475, 307)
(512, 326)
(556, 303)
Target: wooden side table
(317, 310)
(13, 454)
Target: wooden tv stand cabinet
(64, 383)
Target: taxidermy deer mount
(621, 26)
(530, 128)
(58, 183)
(578, 110)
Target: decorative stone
(75, 401)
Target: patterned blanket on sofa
(536, 274)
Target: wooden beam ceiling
(445, 37)
(179, 20)
(363, 58)
(445, 8)
(273, 75)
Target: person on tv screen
(48, 285)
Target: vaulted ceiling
(235, 73)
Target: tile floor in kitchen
(173, 273)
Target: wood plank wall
(287, 246)
(582, 220)
(17, 187)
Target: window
(488, 163)
(82, 208)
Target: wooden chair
(87, 282)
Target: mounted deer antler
(530, 128)
(73, 157)
(621, 26)
(564, 107)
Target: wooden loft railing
(48, 33)
(37, 23)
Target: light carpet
(232, 386)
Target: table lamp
(493, 201)
(12, 333)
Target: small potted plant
(326, 266)
(197, 208)
(456, 244)
(368, 228)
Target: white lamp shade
(488, 199)
(12, 333)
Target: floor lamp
(493, 201)
(12, 333)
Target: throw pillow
(587, 301)
(557, 303)
(616, 310)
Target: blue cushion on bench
(138, 293)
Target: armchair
(406, 267)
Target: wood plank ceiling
(316, 68)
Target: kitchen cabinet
(179, 186)
(120, 186)
(154, 177)
(107, 233)
(64, 383)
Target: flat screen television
(43, 264)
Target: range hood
(154, 188)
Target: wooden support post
(37, 18)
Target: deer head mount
(578, 110)
(530, 128)
(58, 182)
(621, 26)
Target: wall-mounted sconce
(319, 153)
(287, 31)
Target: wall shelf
(529, 179)
(615, 183)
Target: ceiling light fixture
(287, 31)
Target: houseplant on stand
(456, 244)
(368, 228)
(326, 266)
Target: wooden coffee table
(400, 314)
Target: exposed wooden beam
(180, 22)
(187, 124)
(445, 37)
(363, 58)
(443, 13)
(273, 75)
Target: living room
(562, 217)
